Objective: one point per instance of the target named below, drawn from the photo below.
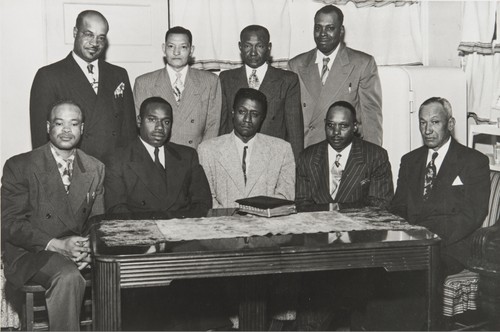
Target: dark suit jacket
(284, 115)
(134, 183)
(353, 78)
(36, 208)
(366, 180)
(452, 211)
(109, 119)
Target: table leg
(433, 279)
(106, 297)
(253, 304)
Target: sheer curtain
(216, 26)
(481, 50)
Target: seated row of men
(202, 101)
(50, 192)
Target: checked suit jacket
(366, 179)
(36, 207)
(109, 118)
(284, 114)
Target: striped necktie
(430, 176)
(178, 87)
(95, 83)
(335, 176)
(325, 70)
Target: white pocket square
(457, 182)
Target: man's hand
(75, 247)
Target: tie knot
(157, 150)
(325, 61)
(434, 156)
(90, 68)
(337, 160)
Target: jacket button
(311, 127)
(84, 210)
(143, 203)
(116, 115)
(113, 133)
(192, 120)
(190, 141)
(48, 216)
(304, 104)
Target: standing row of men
(48, 194)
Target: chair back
(494, 204)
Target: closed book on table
(266, 206)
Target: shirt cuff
(48, 244)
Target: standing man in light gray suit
(332, 72)
(245, 163)
(195, 95)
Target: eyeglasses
(89, 36)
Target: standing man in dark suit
(195, 95)
(333, 72)
(343, 171)
(103, 90)
(443, 185)
(281, 88)
(154, 175)
(47, 196)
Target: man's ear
(451, 124)
(48, 127)
(192, 51)
(164, 48)
(355, 127)
(81, 128)
(138, 121)
(75, 32)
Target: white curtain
(481, 49)
(216, 26)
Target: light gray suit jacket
(197, 117)
(353, 78)
(271, 171)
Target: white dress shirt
(151, 151)
(172, 74)
(332, 155)
(319, 60)
(441, 154)
(260, 72)
(240, 145)
(83, 65)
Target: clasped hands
(75, 247)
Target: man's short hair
(252, 94)
(330, 9)
(82, 15)
(442, 101)
(182, 31)
(152, 100)
(255, 28)
(62, 102)
(345, 104)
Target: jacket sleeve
(129, 126)
(115, 190)
(41, 97)
(285, 188)
(199, 190)
(16, 226)
(293, 117)
(399, 203)
(214, 111)
(206, 162)
(370, 102)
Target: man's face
(247, 118)
(90, 38)
(65, 126)
(177, 50)
(327, 32)
(255, 49)
(339, 127)
(156, 124)
(435, 126)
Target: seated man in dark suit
(281, 88)
(343, 171)
(47, 196)
(453, 201)
(152, 175)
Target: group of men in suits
(329, 104)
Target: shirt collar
(151, 151)
(332, 155)
(172, 74)
(83, 64)
(58, 157)
(320, 56)
(442, 151)
(260, 72)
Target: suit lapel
(269, 86)
(353, 171)
(417, 180)
(145, 169)
(163, 88)
(239, 79)
(259, 159)
(51, 182)
(229, 160)
(447, 172)
(310, 75)
(189, 97)
(321, 172)
(176, 172)
(80, 184)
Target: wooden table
(127, 267)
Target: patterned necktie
(66, 174)
(253, 81)
(325, 70)
(244, 163)
(157, 159)
(95, 83)
(336, 174)
(430, 176)
(178, 87)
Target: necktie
(325, 70)
(244, 163)
(430, 176)
(95, 83)
(336, 174)
(253, 80)
(66, 175)
(178, 87)
(157, 159)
